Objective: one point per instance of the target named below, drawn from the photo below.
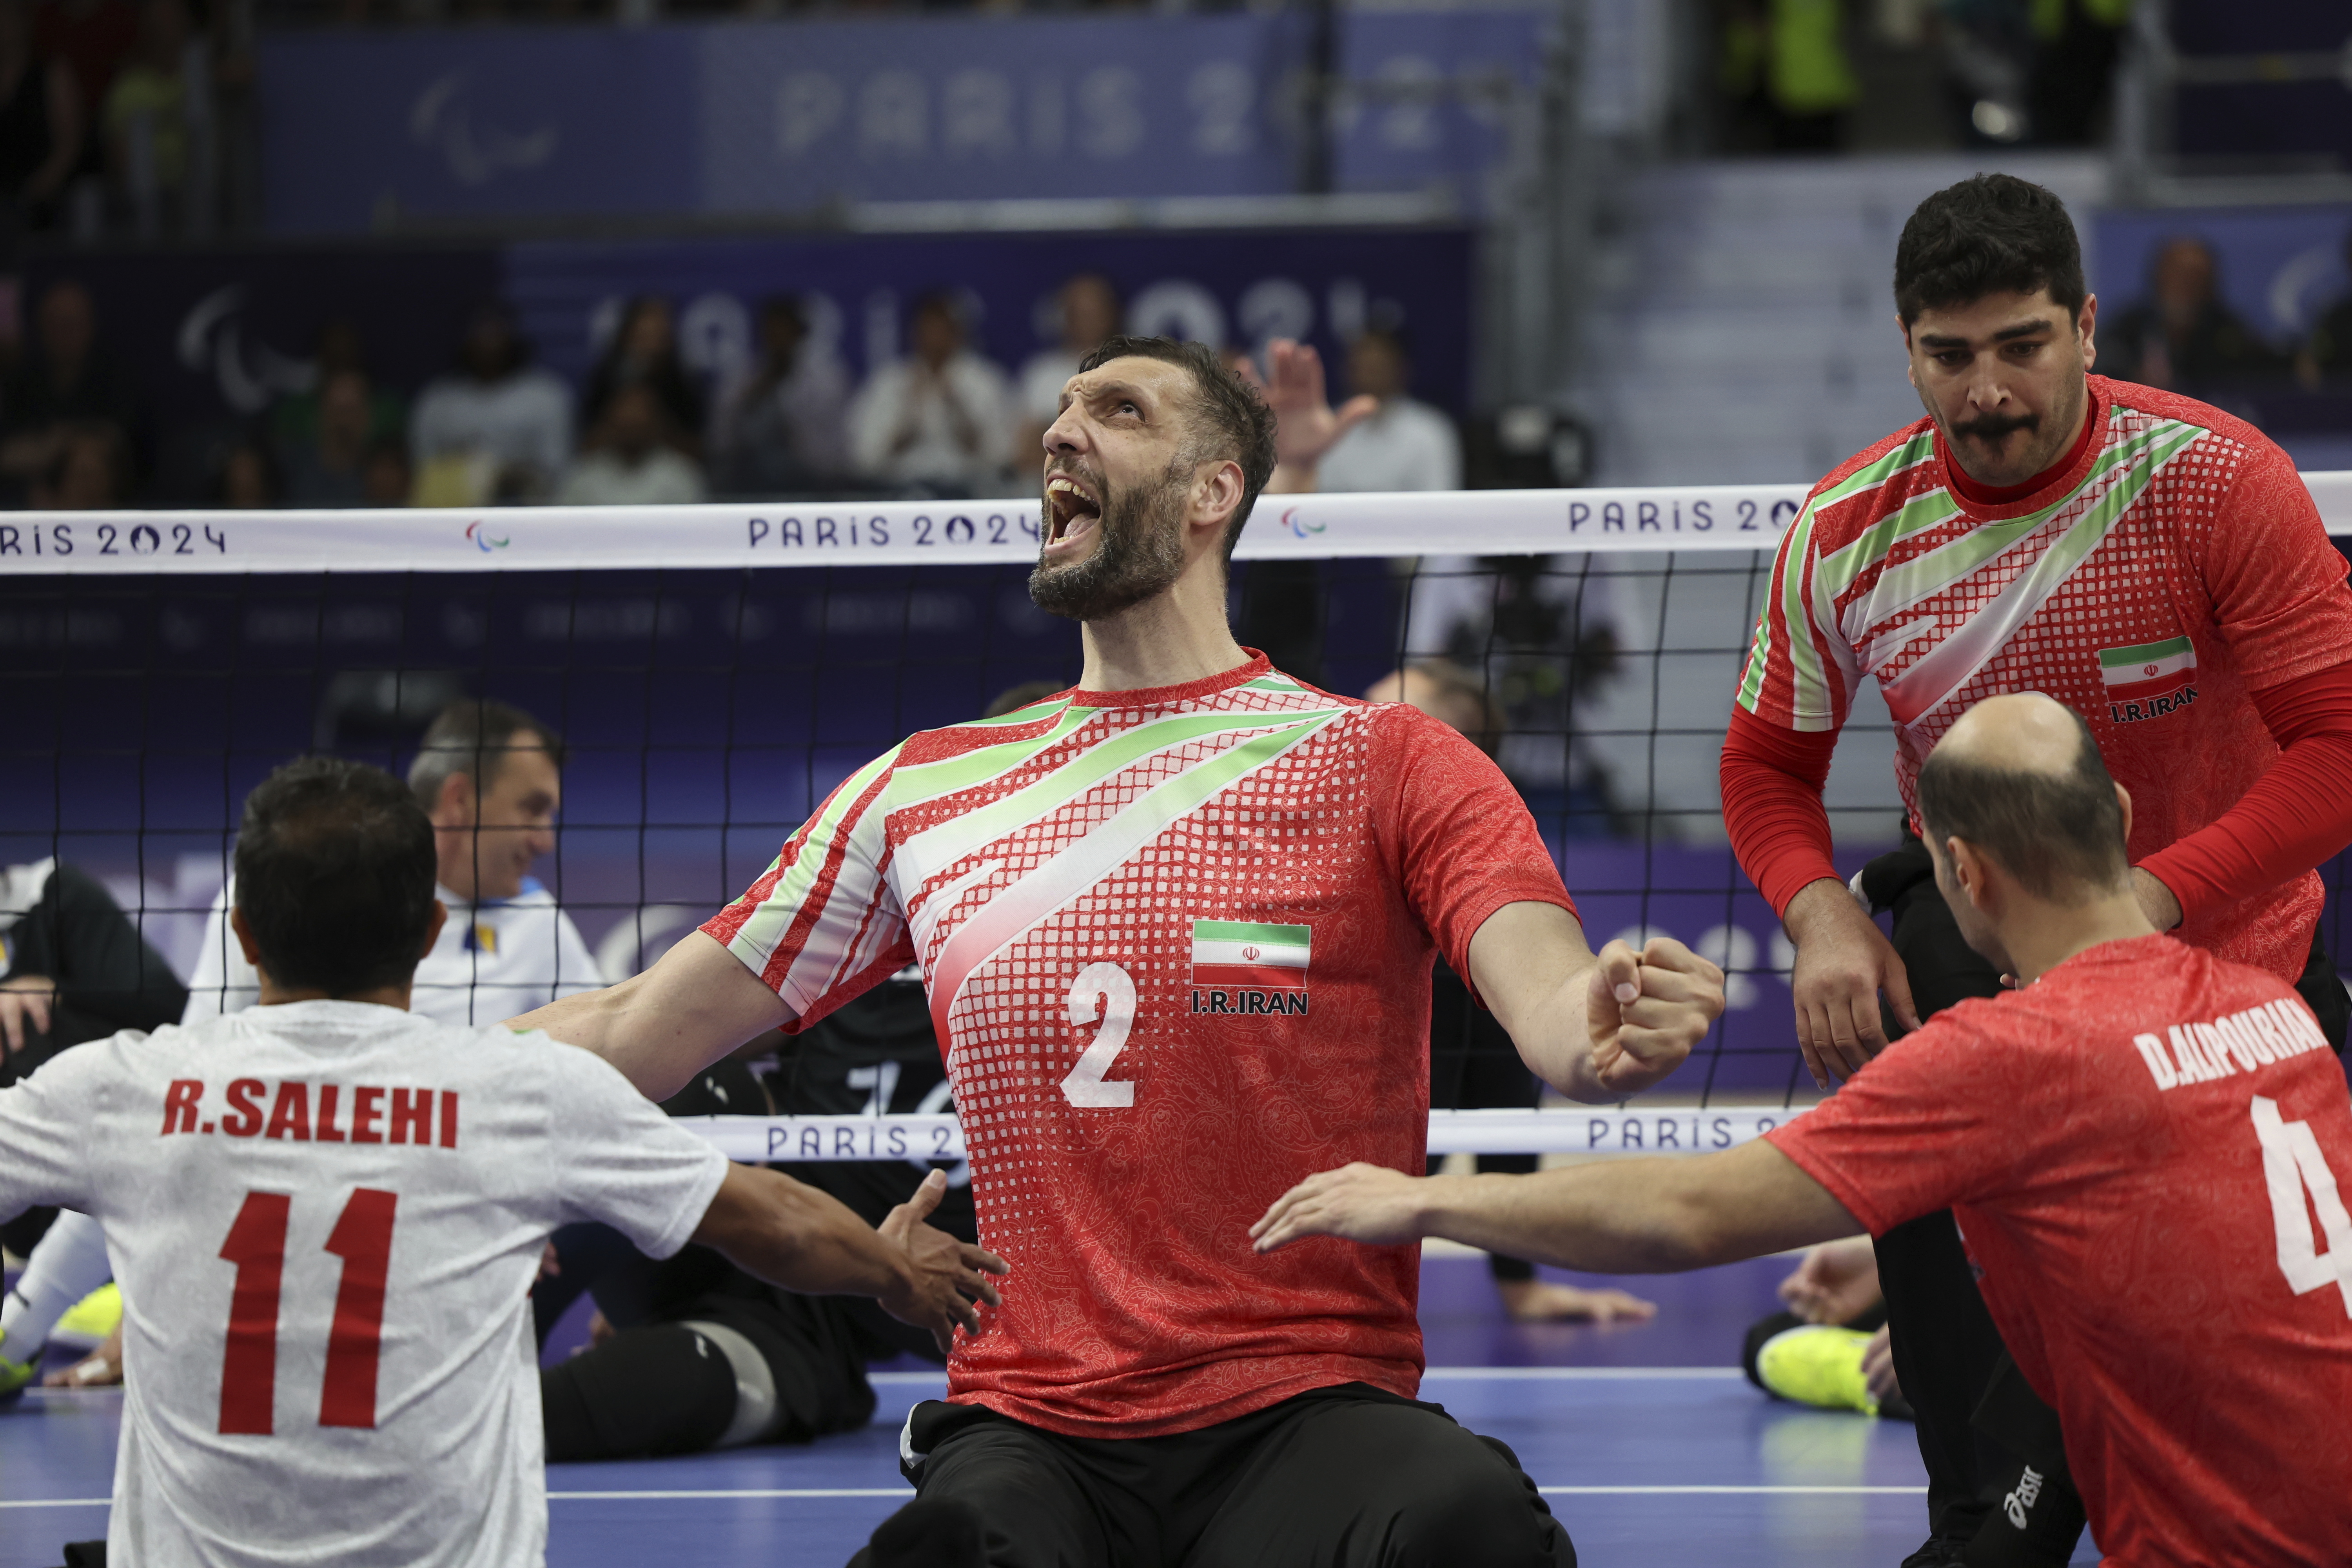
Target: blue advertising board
(747, 118)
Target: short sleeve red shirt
(1178, 946)
(2142, 1151)
(2176, 566)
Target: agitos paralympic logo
(1298, 529)
(482, 540)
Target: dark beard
(1138, 551)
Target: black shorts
(1340, 1478)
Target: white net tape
(897, 534)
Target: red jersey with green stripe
(2176, 567)
(1177, 946)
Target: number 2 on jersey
(257, 1245)
(1105, 987)
(2291, 1164)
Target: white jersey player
(344, 1203)
(489, 777)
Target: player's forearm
(1771, 780)
(1557, 1043)
(792, 1235)
(1635, 1217)
(1611, 1218)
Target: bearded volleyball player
(1177, 927)
(2136, 1140)
(2150, 562)
(344, 1205)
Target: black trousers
(1976, 1416)
(1340, 1478)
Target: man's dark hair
(334, 873)
(1995, 234)
(473, 738)
(2060, 834)
(1229, 418)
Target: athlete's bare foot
(1542, 1301)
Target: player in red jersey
(2137, 1142)
(1177, 927)
(2150, 562)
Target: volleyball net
(715, 670)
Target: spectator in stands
(64, 382)
(91, 473)
(1403, 443)
(939, 420)
(644, 352)
(2183, 337)
(148, 117)
(92, 39)
(779, 428)
(1089, 309)
(330, 469)
(246, 478)
(41, 122)
(2327, 354)
(497, 427)
(294, 419)
(388, 478)
(1783, 65)
(632, 459)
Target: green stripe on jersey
(2146, 653)
(1242, 930)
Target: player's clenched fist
(1648, 1010)
(948, 1275)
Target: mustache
(1993, 427)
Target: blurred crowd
(940, 421)
(123, 118)
(1798, 75)
(642, 427)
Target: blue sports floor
(1644, 1437)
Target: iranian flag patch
(1235, 955)
(2149, 680)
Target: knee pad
(664, 1390)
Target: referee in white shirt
(490, 778)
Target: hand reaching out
(1306, 426)
(1648, 1010)
(1370, 1204)
(1836, 1282)
(949, 1276)
(25, 1003)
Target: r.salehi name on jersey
(2149, 680)
(1239, 967)
(359, 1113)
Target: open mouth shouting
(1073, 510)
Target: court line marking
(57, 1502)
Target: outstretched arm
(794, 1236)
(696, 1004)
(1596, 1028)
(1612, 1216)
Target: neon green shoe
(88, 1322)
(1819, 1364)
(16, 1376)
